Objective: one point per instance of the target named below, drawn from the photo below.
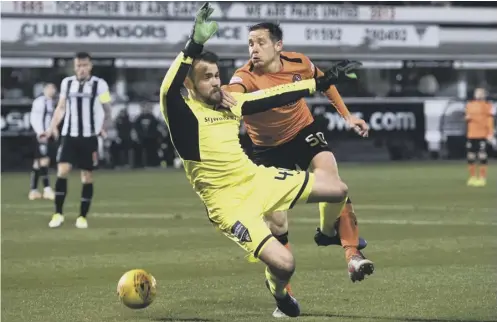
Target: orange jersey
(280, 125)
(479, 115)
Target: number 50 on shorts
(316, 139)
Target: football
(137, 289)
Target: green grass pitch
(433, 240)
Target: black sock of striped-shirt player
(34, 179)
(60, 194)
(44, 177)
(86, 196)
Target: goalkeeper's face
(206, 82)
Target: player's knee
(471, 156)
(483, 157)
(63, 170)
(343, 189)
(328, 188)
(284, 267)
(288, 268)
(277, 223)
(325, 161)
(279, 259)
(86, 176)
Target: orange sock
(483, 170)
(349, 232)
(472, 170)
(288, 288)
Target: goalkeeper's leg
(280, 268)
(278, 224)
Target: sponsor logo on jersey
(236, 80)
(241, 232)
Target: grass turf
(433, 241)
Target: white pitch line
(407, 222)
(381, 207)
(369, 220)
(406, 207)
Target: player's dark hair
(209, 57)
(82, 55)
(206, 56)
(274, 29)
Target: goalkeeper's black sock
(283, 238)
(86, 196)
(60, 194)
(35, 174)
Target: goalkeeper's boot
(359, 266)
(278, 314)
(57, 221)
(472, 182)
(287, 306)
(323, 240)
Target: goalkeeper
(236, 192)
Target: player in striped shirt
(41, 116)
(85, 106)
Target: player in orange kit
(289, 137)
(480, 119)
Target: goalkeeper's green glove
(340, 72)
(202, 31)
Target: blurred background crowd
(422, 62)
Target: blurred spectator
(146, 126)
(428, 85)
(167, 153)
(121, 149)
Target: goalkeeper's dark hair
(206, 56)
(274, 29)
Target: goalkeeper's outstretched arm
(285, 94)
(175, 76)
(278, 96)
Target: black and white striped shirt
(41, 114)
(84, 115)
